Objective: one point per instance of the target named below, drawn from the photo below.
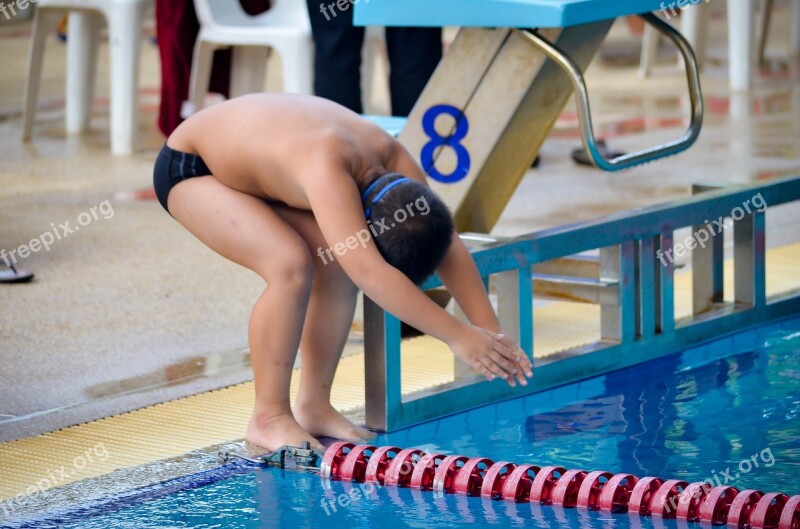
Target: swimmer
(321, 203)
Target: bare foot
(272, 432)
(325, 420)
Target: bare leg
(248, 231)
(328, 320)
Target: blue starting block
(475, 130)
(497, 13)
(495, 96)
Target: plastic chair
(741, 34)
(124, 19)
(223, 23)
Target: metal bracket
(286, 457)
(575, 75)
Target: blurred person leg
(414, 54)
(337, 59)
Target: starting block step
(391, 124)
(576, 289)
(573, 266)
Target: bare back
(275, 146)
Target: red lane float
(767, 512)
(470, 478)
(617, 493)
(544, 483)
(354, 467)
(714, 510)
(333, 459)
(400, 469)
(424, 471)
(742, 506)
(691, 499)
(600, 490)
(790, 515)
(642, 496)
(592, 488)
(445, 475)
(378, 464)
(566, 490)
(666, 499)
(495, 478)
(517, 487)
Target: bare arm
(459, 274)
(457, 269)
(337, 207)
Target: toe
(368, 435)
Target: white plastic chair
(741, 36)
(124, 19)
(223, 23)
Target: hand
(523, 361)
(493, 355)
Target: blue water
(725, 411)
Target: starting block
(475, 130)
(497, 93)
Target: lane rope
(554, 485)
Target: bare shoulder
(401, 161)
(339, 134)
(192, 135)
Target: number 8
(453, 141)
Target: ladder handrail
(651, 154)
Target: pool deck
(192, 423)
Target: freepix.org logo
(12, 9)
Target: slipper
(581, 157)
(12, 275)
(143, 194)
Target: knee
(331, 273)
(293, 270)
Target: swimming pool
(727, 411)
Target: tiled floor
(132, 310)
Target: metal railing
(637, 309)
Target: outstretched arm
(337, 207)
(459, 274)
(457, 269)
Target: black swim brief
(173, 167)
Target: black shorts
(173, 167)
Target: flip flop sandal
(581, 157)
(12, 275)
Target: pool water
(728, 412)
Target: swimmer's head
(410, 225)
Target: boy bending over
(306, 194)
